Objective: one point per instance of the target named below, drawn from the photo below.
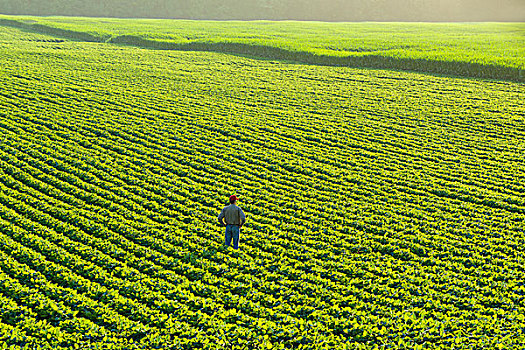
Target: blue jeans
(232, 233)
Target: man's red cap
(233, 198)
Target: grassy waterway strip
(480, 50)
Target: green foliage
(385, 209)
(482, 50)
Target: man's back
(233, 215)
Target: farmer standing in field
(233, 218)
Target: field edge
(449, 68)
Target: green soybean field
(385, 207)
(482, 50)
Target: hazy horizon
(310, 10)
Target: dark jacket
(233, 215)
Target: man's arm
(221, 218)
(242, 217)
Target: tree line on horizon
(323, 10)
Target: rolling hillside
(479, 50)
(385, 209)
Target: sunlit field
(385, 209)
(487, 50)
